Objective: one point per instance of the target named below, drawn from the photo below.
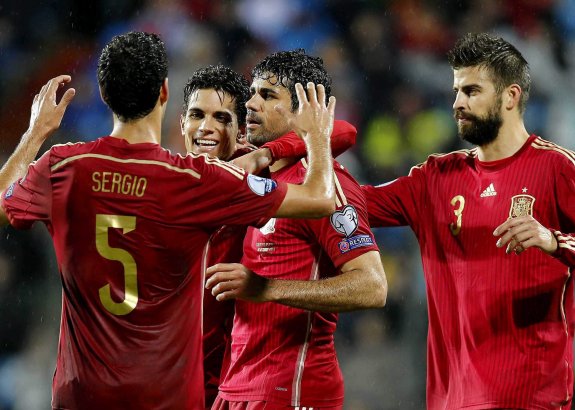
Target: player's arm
(362, 284)
(313, 122)
(290, 145)
(45, 118)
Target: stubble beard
(260, 138)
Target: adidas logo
(489, 191)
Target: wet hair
(222, 79)
(291, 67)
(131, 70)
(503, 61)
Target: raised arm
(45, 118)
(313, 122)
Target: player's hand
(254, 162)
(524, 232)
(46, 113)
(235, 281)
(313, 116)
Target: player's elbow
(378, 290)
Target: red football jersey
(130, 223)
(500, 326)
(225, 245)
(282, 354)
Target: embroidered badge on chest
(521, 205)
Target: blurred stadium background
(387, 59)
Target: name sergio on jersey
(119, 183)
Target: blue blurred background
(391, 79)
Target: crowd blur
(391, 80)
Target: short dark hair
(504, 62)
(223, 79)
(291, 67)
(131, 70)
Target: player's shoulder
(208, 164)
(450, 160)
(60, 153)
(559, 154)
(71, 148)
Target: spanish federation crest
(521, 205)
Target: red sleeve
(290, 145)
(230, 196)
(396, 203)
(30, 199)
(565, 192)
(345, 235)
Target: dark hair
(291, 67)
(504, 62)
(131, 70)
(224, 79)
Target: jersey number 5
(127, 224)
(458, 201)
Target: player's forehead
(474, 75)
(211, 100)
(270, 83)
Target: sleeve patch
(345, 222)
(261, 186)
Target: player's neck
(147, 129)
(511, 138)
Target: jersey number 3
(127, 224)
(458, 202)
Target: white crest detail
(345, 221)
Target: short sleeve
(232, 197)
(30, 199)
(345, 235)
(396, 203)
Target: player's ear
(164, 92)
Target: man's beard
(482, 130)
(261, 138)
(262, 134)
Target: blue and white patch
(358, 241)
(345, 221)
(10, 191)
(261, 186)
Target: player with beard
(130, 221)
(212, 121)
(495, 225)
(283, 354)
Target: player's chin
(213, 151)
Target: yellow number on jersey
(127, 224)
(458, 201)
